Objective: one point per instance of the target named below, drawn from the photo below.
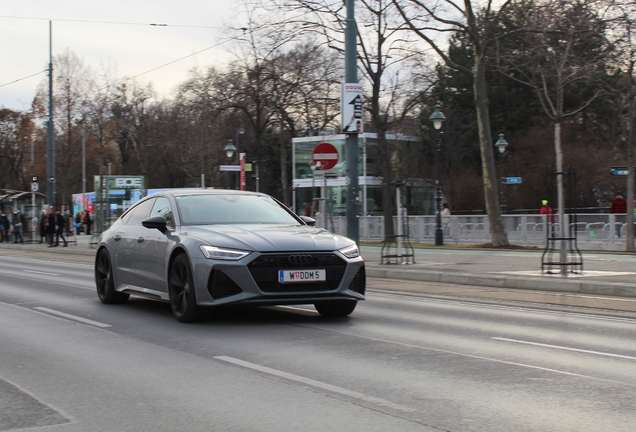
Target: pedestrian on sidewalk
(547, 211)
(619, 204)
(60, 226)
(4, 228)
(88, 222)
(18, 223)
(68, 217)
(78, 223)
(51, 226)
(42, 227)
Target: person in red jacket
(619, 204)
(546, 210)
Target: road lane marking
(42, 273)
(72, 317)
(316, 384)
(566, 348)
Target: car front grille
(264, 270)
(220, 286)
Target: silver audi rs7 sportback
(204, 247)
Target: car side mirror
(309, 221)
(155, 222)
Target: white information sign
(351, 108)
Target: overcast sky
(95, 32)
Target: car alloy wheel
(104, 280)
(181, 290)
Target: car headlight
(213, 252)
(351, 251)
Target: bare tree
(16, 130)
(563, 48)
(430, 19)
(385, 52)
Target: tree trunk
(629, 235)
(560, 193)
(491, 184)
(283, 167)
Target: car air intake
(220, 286)
(359, 283)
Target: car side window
(140, 212)
(163, 208)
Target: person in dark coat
(60, 226)
(42, 227)
(4, 228)
(51, 222)
(88, 222)
(18, 225)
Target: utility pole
(50, 132)
(351, 143)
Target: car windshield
(232, 209)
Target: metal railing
(593, 231)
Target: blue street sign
(512, 180)
(619, 171)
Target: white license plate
(296, 276)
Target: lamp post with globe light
(229, 152)
(438, 119)
(501, 144)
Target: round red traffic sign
(325, 156)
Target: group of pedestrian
(14, 226)
(53, 226)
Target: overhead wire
(122, 23)
(23, 78)
(108, 22)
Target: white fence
(593, 231)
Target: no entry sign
(326, 154)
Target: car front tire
(104, 280)
(339, 309)
(181, 290)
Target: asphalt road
(406, 360)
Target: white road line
(316, 384)
(43, 273)
(566, 348)
(72, 317)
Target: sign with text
(619, 171)
(351, 108)
(512, 180)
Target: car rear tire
(104, 280)
(339, 309)
(181, 290)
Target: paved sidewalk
(611, 274)
(607, 274)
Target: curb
(515, 282)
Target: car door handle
(140, 239)
(117, 237)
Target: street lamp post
(501, 144)
(238, 131)
(438, 119)
(229, 152)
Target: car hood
(268, 238)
